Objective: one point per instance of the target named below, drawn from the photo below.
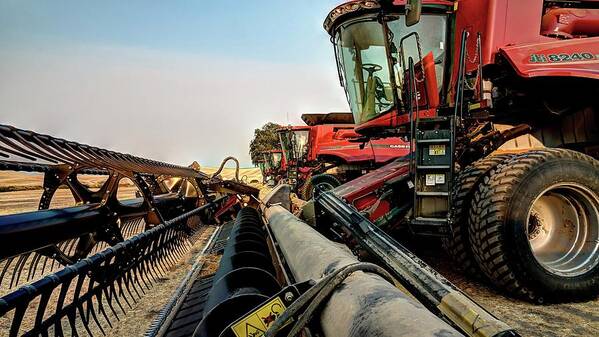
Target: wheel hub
(563, 229)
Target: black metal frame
(102, 286)
(103, 249)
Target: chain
(473, 60)
(476, 56)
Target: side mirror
(413, 11)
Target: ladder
(432, 168)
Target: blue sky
(165, 79)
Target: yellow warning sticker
(436, 150)
(256, 323)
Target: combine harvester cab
(499, 104)
(327, 152)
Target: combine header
(79, 265)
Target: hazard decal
(256, 323)
(436, 150)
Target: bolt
(288, 296)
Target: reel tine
(5, 268)
(121, 293)
(41, 309)
(18, 269)
(33, 268)
(17, 319)
(69, 247)
(44, 265)
(85, 320)
(115, 295)
(107, 296)
(128, 282)
(79, 304)
(71, 316)
(101, 307)
(58, 332)
(92, 311)
(90, 307)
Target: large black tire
(325, 181)
(457, 242)
(502, 218)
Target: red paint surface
(520, 58)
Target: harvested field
(137, 320)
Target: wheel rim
(563, 229)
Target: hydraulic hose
(222, 166)
(317, 295)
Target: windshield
(294, 143)
(276, 159)
(284, 139)
(300, 143)
(362, 59)
(266, 163)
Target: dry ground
(530, 320)
(138, 320)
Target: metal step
(433, 156)
(435, 227)
(432, 194)
(433, 141)
(433, 221)
(433, 167)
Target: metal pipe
(365, 304)
(25, 232)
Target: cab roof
(312, 119)
(351, 8)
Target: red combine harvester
(327, 151)
(273, 166)
(499, 101)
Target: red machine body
(524, 37)
(338, 142)
(498, 99)
(557, 43)
(319, 146)
(560, 42)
